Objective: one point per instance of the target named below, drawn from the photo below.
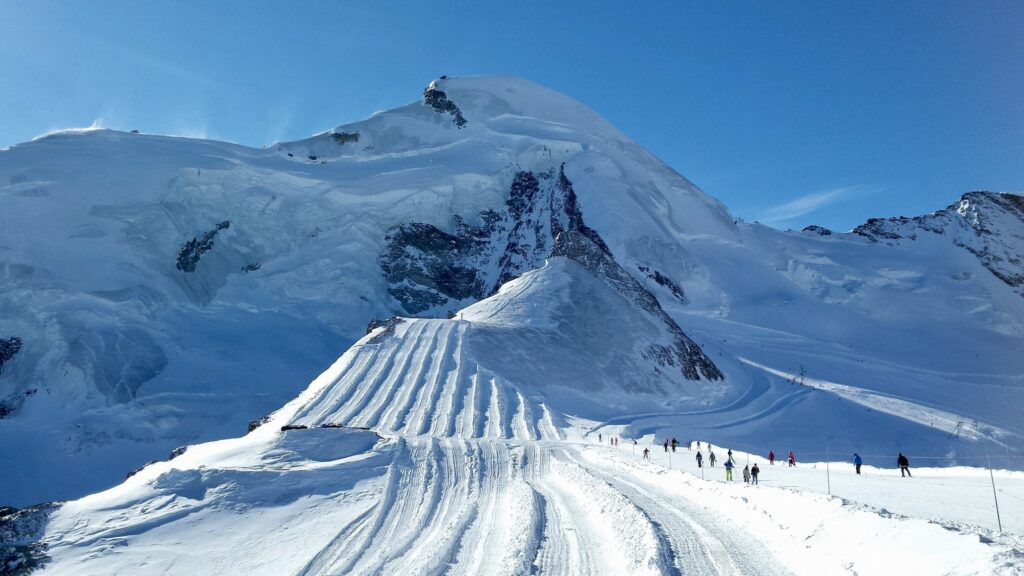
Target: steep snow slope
(160, 291)
(470, 468)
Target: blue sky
(790, 113)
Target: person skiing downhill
(904, 465)
(857, 462)
(753, 473)
(771, 458)
(700, 460)
(728, 470)
(792, 459)
(746, 474)
(711, 458)
(647, 454)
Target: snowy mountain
(157, 292)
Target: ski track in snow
(455, 506)
(473, 478)
(906, 409)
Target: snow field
(814, 533)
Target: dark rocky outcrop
(193, 250)
(987, 224)
(665, 281)
(9, 347)
(683, 352)
(819, 230)
(426, 266)
(21, 551)
(388, 324)
(288, 427)
(345, 137)
(139, 469)
(439, 101)
(254, 424)
(177, 452)
(876, 228)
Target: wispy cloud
(812, 202)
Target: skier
(771, 458)
(792, 459)
(746, 474)
(728, 470)
(674, 444)
(857, 462)
(666, 444)
(647, 453)
(904, 465)
(753, 473)
(711, 459)
(600, 440)
(700, 460)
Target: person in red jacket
(771, 457)
(792, 459)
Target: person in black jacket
(904, 465)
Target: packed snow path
(493, 507)
(410, 456)
(337, 501)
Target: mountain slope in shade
(157, 292)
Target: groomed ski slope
(321, 501)
(464, 469)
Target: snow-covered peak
(989, 225)
(496, 99)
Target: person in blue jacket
(728, 470)
(857, 461)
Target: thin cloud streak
(812, 202)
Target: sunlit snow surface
(905, 344)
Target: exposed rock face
(389, 327)
(987, 224)
(819, 230)
(683, 352)
(21, 552)
(139, 469)
(428, 268)
(345, 137)
(194, 249)
(665, 281)
(439, 101)
(8, 349)
(254, 424)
